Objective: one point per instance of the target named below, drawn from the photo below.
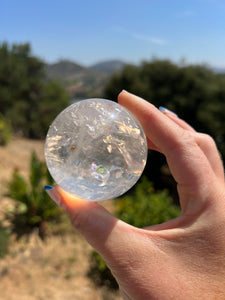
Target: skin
(180, 259)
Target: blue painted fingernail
(51, 191)
(165, 110)
(161, 108)
(48, 187)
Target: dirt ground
(38, 270)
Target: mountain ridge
(81, 81)
(108, 66)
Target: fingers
(186, 155)
(208, 146)
(205, 142)
(176, 120)
(162, 132)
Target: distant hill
(63, 69)
(218, 70)
(80, 81)
(109, 67)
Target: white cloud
(150, 39)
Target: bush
(33, 207)
(4, 239)
(5, 130)
(142, 208)
(146, 206)
(100, 273)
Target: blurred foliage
(194, 92)
(144, 207)
(5, 130)
(4, 240)
(27, 98)
(33, 208)
(100, 273)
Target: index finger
(188, 163)
(162, 131)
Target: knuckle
(186, 140)
(206, 139)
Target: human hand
(183, 258)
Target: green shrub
(33, 207)
(5, 130)
(100, 273)
(146, 206)
(142, 208)
(4, 240)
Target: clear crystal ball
(96, 149)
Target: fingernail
(51, 191)
(167, 111)
(48, 187)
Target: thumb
(103, 231)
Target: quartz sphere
(96, 149)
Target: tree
(26, 97)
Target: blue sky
(132, 30)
